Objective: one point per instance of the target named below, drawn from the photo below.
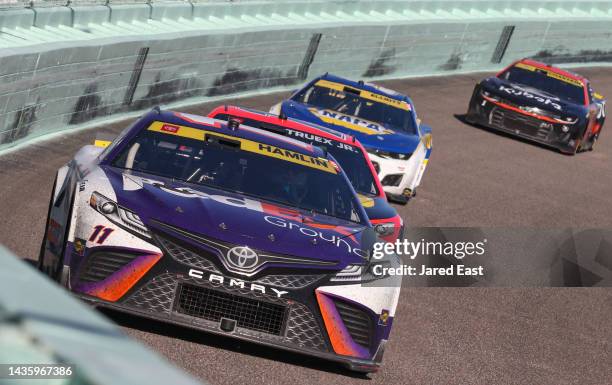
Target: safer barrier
(42, 324)
(65, 66)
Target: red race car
(344, 148)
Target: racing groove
(441, 335)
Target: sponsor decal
(79, 246)
(384, 318)
(102, 143)
(247, 145)
(546, 125)
(551, 73)
(170, 128)
(233, 282)
(528, 95)
(316, 234)
(350, 122)
(311, 138)
(365, 94)
(366, 201)
(288, 155)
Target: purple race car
(224, 228)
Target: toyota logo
(242, 257)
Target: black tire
(43, 246)
(57, 274)
(592, 141)
(398, 199)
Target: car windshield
(246, 167)
(351, 102)
(351, 158)
(550, 82)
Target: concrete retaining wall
(202, 50)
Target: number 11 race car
(541, 103)
(223, 228)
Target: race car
(541, 103)
(224, 228)
(345, 149)
(384, 121)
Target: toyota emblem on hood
(242, 257)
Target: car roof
(361, 85)
(301, 126)
(557, 70)
(243, 132)
(292, 123)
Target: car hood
(377, 136)
(529, 97)
(236, 219)
(377, 207)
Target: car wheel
(43, 246)
(469, 116)
(592, 142)
(55, 273)
(398, 199)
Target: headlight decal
(389, 155)
(120, 216)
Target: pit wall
(63, 67)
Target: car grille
(392, 180)
(302, 329)
(156, 296)
(248, 313)
(356, 321)
(289, 281)
(527, 125)
(201, 260)
(102, 264)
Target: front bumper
(186, 288)
(566, 138)
(400, 178)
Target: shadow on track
(220, 342)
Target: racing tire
(591, 143)
(56, 275)
(43, 246)
(398, 199)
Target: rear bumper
(564, 138)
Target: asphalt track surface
(441, 335)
